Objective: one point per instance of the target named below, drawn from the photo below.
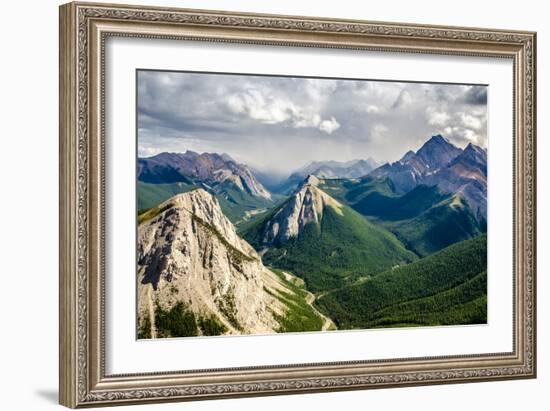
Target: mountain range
(336, 169)
(425, 219)
(235, 186)
(219, 254)
(208, 168)
(437, 162)
(440, 163)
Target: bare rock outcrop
(304, 207)
(189, 252)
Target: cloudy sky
(279, 124)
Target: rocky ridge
(207, 168)
(303, 207)
(189, 252)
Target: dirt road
(328, 324)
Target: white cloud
(378, 133)
(144, 151)
(318, 89)
(437, 118)
(463, 136)
(328, 126)
(471, 121)
(302, 120)
(262, 106)
(258, 106)
(371, 108)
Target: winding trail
(328, 324)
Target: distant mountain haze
(337, 169)
(329, 169)
(285, 184)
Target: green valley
(235, 203)
(150, 195)
(343, 247)
(424, 219)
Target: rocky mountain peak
(311, 180)
(190, 253)
(438, 162)
(466, 175)
(191, 153)
(227, 157)
(205, 208)
(306, 206)
(472, 160)
(437, 152)
(475, 152)
(408, 156)
(438, 139)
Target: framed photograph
(259, 204)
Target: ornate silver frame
(83, 30)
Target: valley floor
(328, 324)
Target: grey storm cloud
(281, 123)
(476, 95)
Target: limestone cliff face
(189, 252)
(304, 207)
